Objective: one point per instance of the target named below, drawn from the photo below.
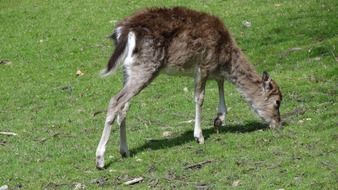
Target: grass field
(58, 116)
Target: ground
(52, 97)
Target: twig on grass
(198, 165)
(188, 121)
(134, 181)
(97, 112)
(42, 140)
(8, 133)
(5, 62)
(288, 51)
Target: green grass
(51, 109)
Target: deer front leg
(200, 81)
(222, 109)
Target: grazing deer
(183, 42)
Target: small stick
(134, 181)
(189, 121)
(8, 133)
(198, 165)
(97, 112)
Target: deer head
(271, 99)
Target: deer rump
(177, 38)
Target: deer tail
(121, 39)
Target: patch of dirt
(53, 186)
(100, 181)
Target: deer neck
(246, 79)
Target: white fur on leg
(199, 95)
(222, 109)
(197, 129)
(101, 148)
(221, 106)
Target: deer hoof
(218, 122)
(125, 154)
(99, 162)
(199, 140)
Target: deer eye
(270, 87)
(277, 103)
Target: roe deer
(183, 42)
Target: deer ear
(266, 76)
(266, 81)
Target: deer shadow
(186, 137)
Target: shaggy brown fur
(175, 29)
(184, 42)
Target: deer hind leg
(121, 121)
(118, 108)
(116, 105)
(222, 109)
(200, 81)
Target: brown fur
(184, 42)
(184, 38)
